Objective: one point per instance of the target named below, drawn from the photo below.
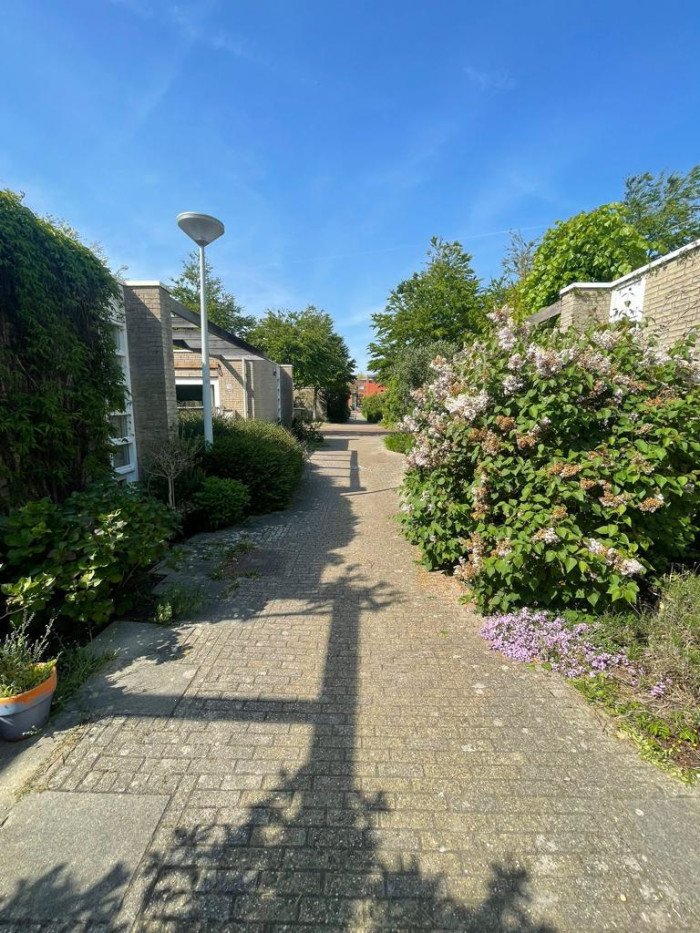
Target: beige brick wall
(580, 306)
(149, 334)
(672, 296)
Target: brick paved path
(348, 755)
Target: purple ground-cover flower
(527, 635)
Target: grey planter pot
(22, 714)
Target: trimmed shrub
(337, 406)
(373, 408)
(71, 562)
(59, 374)
(265, 457)
(556, 469)
(399, 443)
(221, 502)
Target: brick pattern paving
(350, 756)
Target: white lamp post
(203, 229)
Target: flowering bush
(556, 468)
(537, 636)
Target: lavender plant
(556, 469)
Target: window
(189, 393)
(123, 441)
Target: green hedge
(265, 457)
(373, 407)
(59, 373)
(221, 502)
(399, 443)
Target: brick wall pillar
(149, 332)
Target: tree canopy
(665, 209)
(222, 307)
(441, 302)
(593, 246)
(308, 340)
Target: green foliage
(71, 562)
(77, 664)
(21, 664)
(556, 469)
(411, 371)
(665, 209)
(172, 470)
(59, 373)
(307, 432)
(308, 340)
(264, 457)
(441, 302)
(399, 442)
(221, 502)
(177, 602)
(337, 405)
(222, 308)
(594, 246)
(373, 407)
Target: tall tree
(441, 302)
(308, 340)
(594, 246)
(222, 307)
(665, 209)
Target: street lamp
(203, 229)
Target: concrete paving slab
(71, 855)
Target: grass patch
(74, 666)
(178, 602)
(399, 443)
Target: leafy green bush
(221, 502)
(556, 469)
(409, 372)
(264, 457)
(373, 407)
(59, 374)
(337, 406)
(72, 561)
(399, 442)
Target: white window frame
(129, 471)
(197, 381)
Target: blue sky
(334, 139)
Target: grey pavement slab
(71, 856)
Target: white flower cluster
(626, 566)
(468, 406)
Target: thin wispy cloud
(489, 80)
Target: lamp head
(202, 228)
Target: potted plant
(27, 684)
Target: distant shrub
(399, 443)
(556, 469)
(337, 406)
(221, 502)
(307, 432)
(72, 561)
(265, 457)
(373, 407)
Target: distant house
(665, 292)
(361, 388)
(159, 342)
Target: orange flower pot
(22, 714)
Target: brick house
(361, 388)
(665, 292)
(159, 342)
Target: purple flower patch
(527, 635)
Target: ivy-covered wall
(59, 375)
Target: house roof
(187, 336)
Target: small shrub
(399, 443)
(307, 432)
(174, 465)
(264, 457)
(373, 407)
(337, 405)
(221, 502)
(73, 561)
(21, 661)
(557, 469)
